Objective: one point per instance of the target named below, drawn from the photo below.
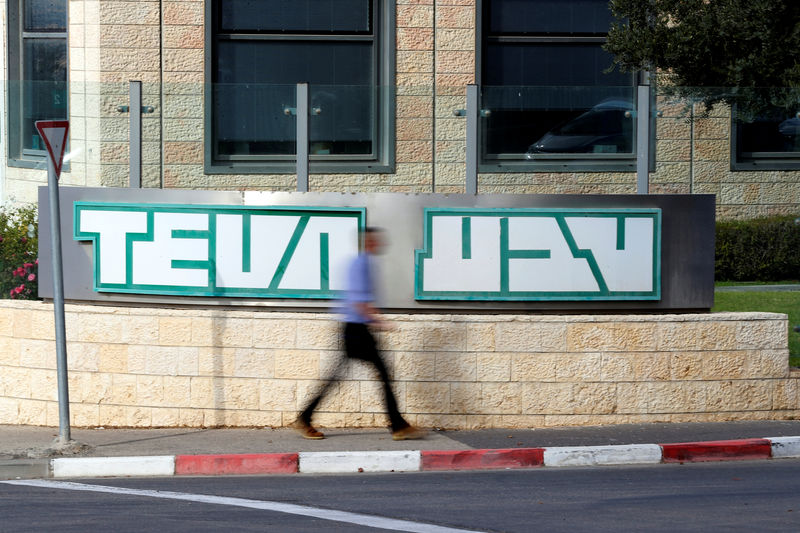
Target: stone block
(254, 363)
(192, 418)
(757, 334)
(138, 417)
(278, 395)
(465, 398)
(493, 367)
(370, 397)
(480, 337)
(123, 390)
(503, 398)
(232, 332)
(414, 38)
(427, 397)
(84, 415)
(458, 16)
(138, 329)
(786, 393)
(414, 366)
(235, 393)
(611, 336)
(182, 36)
(16, 382)
(456, 367)
(579, 367)
(112, 415)
(112, 358)
(725, 365)
(410, 129)
(439, 421)
(677, 397)
(547, 398)
(404, 336)
(150, 390)
(177, 391)
(534, 367)
(164, 417)
(414, 16)
(9, 351)
(216, 362)
(44, 385)
(414, 61)
(769, 363)
(296, 364)
(445, 336)
(9, 411)
(455, 61)
(633, 398)
(41, 325)
(530, 337)
(183, 12)
(455, 39)
(175, 331)
(100, 328)
(183, 60)
(318, 335)
(595, 398)
(37, 353)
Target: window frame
(509, 163)
(15, 94)
(382, 159)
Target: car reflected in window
(606, 128)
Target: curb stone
(403, 461)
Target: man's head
(373, 240)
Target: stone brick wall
(163, 44)
(143, 367)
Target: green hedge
(761, 249)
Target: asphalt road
(732, 496)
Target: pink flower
(37, 261)
(20, 288)
(12, 292)
(27, 265)
(19, 272)
(31, 277)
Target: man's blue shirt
(359, 288)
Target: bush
(762, 249)
(18, 250)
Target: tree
(740, 52)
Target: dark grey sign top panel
(686, 224)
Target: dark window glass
(509, 17)
(545, 83)
(777, 135)
(549, 64)
(44, 91)
(257, 84)
(45, 16)
(296, 16)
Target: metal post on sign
(471, 186)
(135, 139)
(302, 137)
(54, 135)
(643, 140)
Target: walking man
(360, 317)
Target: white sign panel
(540, 254)
(284, 252)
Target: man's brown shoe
(408, 433)
(306, 430)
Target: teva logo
(540, 254)
(200, 250)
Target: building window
(261, 49)
(769, 142)
(37, 74)
(548, 103)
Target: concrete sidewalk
(27, 451)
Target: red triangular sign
(54, 134)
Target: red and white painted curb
(425, 460)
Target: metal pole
(302, 137)
(58, 305)
(472, 139)
(643, 140)
(135, 181)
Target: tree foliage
(742, 52)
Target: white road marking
(302, 510)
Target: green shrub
(18, 250)
(762, 249)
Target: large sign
(219, 250)
(540, 254)
(446, 253)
